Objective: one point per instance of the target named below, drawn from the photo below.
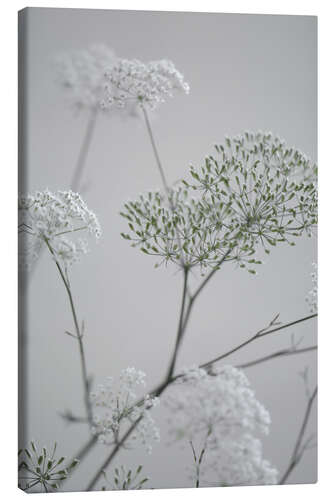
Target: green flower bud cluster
(41, 471)
(255, 192)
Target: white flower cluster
(148, 84)
(49, 218)
(239, 462)
(82, 73)
(117, 409)
(312, 298)
(220, 410)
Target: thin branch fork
(256, 336)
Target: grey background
(245, 72)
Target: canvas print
(167, 216)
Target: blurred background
(246, 72)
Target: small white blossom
(220, 410)
(239, 462)
(224, 403)
(116, 409)
(312, 298)
(149, 84)
(50, 218)
(81, 73)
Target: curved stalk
(78, 334)
(153, 143)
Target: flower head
(146, 84)
(239, 462)
(221, 411)
(50, 219)
(259, 190)
(41, 470)
(256, 193)
(81, 73)
(223, 403)
(116, 409)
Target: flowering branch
(161, 388)
(299, 449)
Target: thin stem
(261, 333)
(198, 460)
(297, 451)
(180, 330)
(112, 454)
(185, 315)
(153, 143)
(78, 335)
(210, 275)
(81, 162)
(286, 352)
(164, 180)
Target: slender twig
(112, 454)
(81, 162)
(298, 450)
(78, 335)
(256, 336)
(186, 314)
(274, 355)
(180, 328)
(164, 181)
(157, 157)
(198, 460)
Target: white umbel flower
(132, 81)
(81, 74)
(54, 219)
(220, 412)
(239, 462)
(116, 409)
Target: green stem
(157, 157)
(180, 330)
(81, 162)
(185, 315)
(78, 335)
